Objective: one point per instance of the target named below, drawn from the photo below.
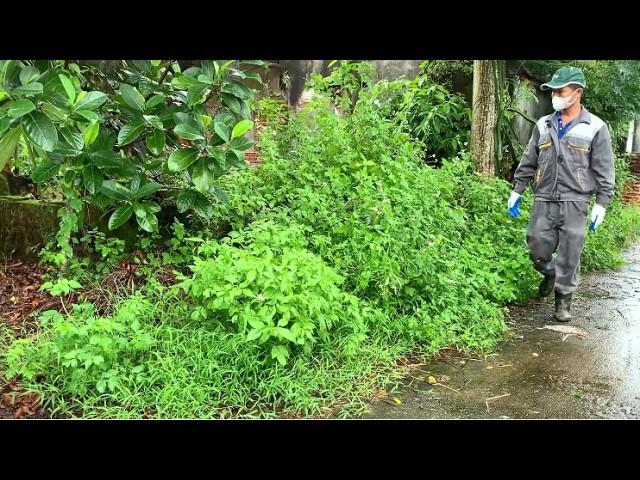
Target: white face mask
(562, 103)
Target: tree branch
(162, 77)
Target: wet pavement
(540, 373)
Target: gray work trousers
(562, 226)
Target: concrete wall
(533, 109)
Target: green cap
(565, 76)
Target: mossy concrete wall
(25, 225)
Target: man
(569, 159)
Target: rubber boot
(546, 286)
(563, 306)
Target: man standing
(569, 159)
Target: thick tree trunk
(484, 120)
(635, 146)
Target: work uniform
(567, 164)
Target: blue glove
(514, 205)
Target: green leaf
(185, 200)
(64, 149)
(101, 386)
(4, 125)
(54, 113)
(154, 121)
(281, 353)
(253, 334)
(93, 179)
(205, 79)
(132, 97)
(72, 137)
(235, 158)
(241, 144)
(237, 89)
(252, 75)
(28, 90)
(201, 175)
(148, 223)
(189, 132)
(28, 75)
(120, 216)
(222, 130)
(45, 171)
(155, 63)
(18, 108)
(90, 101)
(225, 118)
(41, 130)
(139, 210)
(68, 87)
(148, 189)
(181, 117)
(183, 82)
(204, 121)
(156, 142)
(89, 115)
(202, 205)
(130, 132)
(151, 207)
(232, 103)
(241, 128)
(155, 100)
(91, 133)
(8, 144)
(196, 94)
(116, 191)
(181, 159)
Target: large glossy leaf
(241, 128)
(28, 90)
(181, 159)
(41, 130)
(93, 179)
(72, 137)
(130, 132)
(91, 133)
(18, 108)
(189, 132)
(147, 189)
(132, 97)
(8, 144)
(28, 75)
(116, 191)
(120, 216)
(241, 144)
(222, 130)
(68, 88)
(201, 175)
(90, 101)
(156, 142)
(197, 93)
(45, 171)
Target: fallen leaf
(536, 355)
(431, 379)
(489, 367)
(397, 400)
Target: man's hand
(597, 216)
(513, 205)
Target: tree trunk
(635, 147)
(484, 119)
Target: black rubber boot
(546, 287)
(563, 307)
